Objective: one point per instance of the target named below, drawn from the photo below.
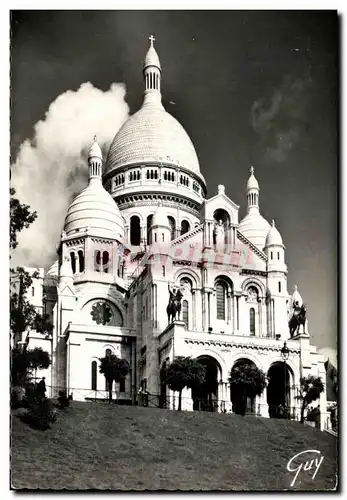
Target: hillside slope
(103, 446)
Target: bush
(41, 415)
(63, 400)
(17, 396)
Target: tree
(310, 389)
(27, 360)
(20, 217)
(246, 381)
(38, 359)
(22, 313)
(184, 372)
(114, 369)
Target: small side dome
(160, 218)
(255, 228)
(273, 236)
(54, 269)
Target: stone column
(193, 323)
(229, 308)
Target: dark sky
(249, 87)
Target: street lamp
(285, 356)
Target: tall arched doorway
(237, 397)
(205, 396)
(278, 389)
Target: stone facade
(110, 287)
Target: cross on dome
(151, 39)
(251, 170)
(273, 223)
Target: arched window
(185, 313)
(135, 230)
(278, 255)
(220, 300)
(81, 261)
(252, 320)
(94, 375)
(173, 227)
(272, 255)
(73, 262)
(163, 270)
(185, 227)
(105, 262)
(279, 287)
(155, 237)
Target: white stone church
(143, 225)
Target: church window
(32, 291)
(122, 385)
(173, 227)
(147, 174)
(184, 227)
(272, 255)
(162, 236)
(278, 255)
(252, 320)
(155, 237)
(135, 231)
(73, 262)
(185, 313)
(94, 375)
(220, 300)
(163, 270)
(279, 286)
(165, 176)
(97, 258)
(156, 174)
(152, 174)
(80, 261)
(105, 262)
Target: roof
(152, 135)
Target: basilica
(150, 268)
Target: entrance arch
(235, 398)
(205, 396)
(278, 389)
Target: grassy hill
(94, 445)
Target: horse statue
(173, 309)
(298, 318)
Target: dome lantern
(252, 193)
(152, 75)
(95, 161)
(253, 225)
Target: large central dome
(152, 135)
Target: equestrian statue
(173, 309)
(298, 318)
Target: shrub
(63, 400)
(41, 415)
(17, 396)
